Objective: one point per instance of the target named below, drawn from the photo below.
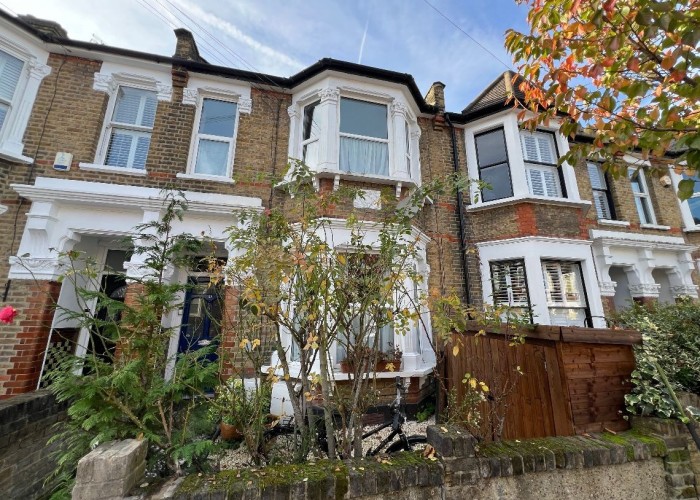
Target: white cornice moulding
(618, 238)
(97, 193)
(545, 240)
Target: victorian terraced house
(90, 135)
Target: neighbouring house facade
(90, 135)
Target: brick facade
(69, 116)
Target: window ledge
(3, 209)
(543, 200)
(372, 178)
(610, 222)
(692, 229)
(11, 156)
(655, 226)
(205, 177)
(93, 167)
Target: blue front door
(201, 316)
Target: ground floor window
(509, 281)
(566, 297)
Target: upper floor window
(364, 137)
(601, 192)
(494, 170)
(539, 153)
(566, 298)
(215, 139)
(311, 133)
(10, 72)
(510, 284)
(642, 199)
(130, 128)
(694, 201)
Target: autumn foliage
(624, 72)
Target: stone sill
(11, 156)
(541, 200)
(204, 177)
(93, 167)
(3, 209)
(610, 222)
(655, 226)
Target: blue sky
(281, 37)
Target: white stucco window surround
(22, 69)
(213, 144)
(347, 127)
(545, 255)
(126, 134)
(645, 265)
(518, 164)
(63, 211)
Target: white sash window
(130, 128)
(10, 72)
(541, 168)
(510, 284)
(312, 132)
(601, 193)
(215, 138)
(364, 137)
(565, 294)
(641, 196)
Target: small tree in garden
(623, 71)
(118, 389)
(327, 296)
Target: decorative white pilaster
(397, 151)
(328, 146)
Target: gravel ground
(239, 458)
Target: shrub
(671, 335)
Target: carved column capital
(330, 95)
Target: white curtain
(359, 156)
(212, 157)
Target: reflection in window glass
(492, 159)
(364, 137)
(215, 137)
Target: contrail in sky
(362, 44)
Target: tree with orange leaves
(624, 72)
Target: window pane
(643, 210)
(311, 127)
(218, 118)
(538, 147)
(694, 204)
(310, 154)
(212, 157)
(135, 107)
(602, 206)
(596, 175)
(543, 182)
(363, 118)
(10, 71)
(128, 149)
(509, 283)
(636, 180)
(498, 177)
(491, 148)
(3, 113)
(364, 157)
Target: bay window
(566, 298)
(641, 196)
(539, 153)
(214, 142)
(130, 128)
(364, 137)
(494, 169)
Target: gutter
(460, 212)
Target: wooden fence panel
(574, 380)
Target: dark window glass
(494, 169)
(310, 123)
(363, 118)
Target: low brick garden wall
(631, 464)
(26, 424)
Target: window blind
(543, 182)
(509, 283)
(10, 71)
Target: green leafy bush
(671, 336)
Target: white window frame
(601, 191)
(312, 138)
(539, 167)
(643, 197)
(369, 138)
(196, 136)
(195, 95)
(20, 107)
(535, 249)
(110, 84)
(565, 304)
(508, 120)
